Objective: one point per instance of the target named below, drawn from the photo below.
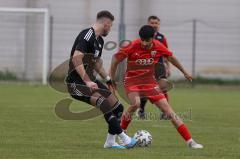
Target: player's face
(146, 44)
(155, 23)
(106, 27)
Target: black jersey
(160, 37)
(160, 68)
(91, 46)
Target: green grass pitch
(29, 128)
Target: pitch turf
(29, 127)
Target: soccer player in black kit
(82, 84)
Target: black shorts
(160, 69)
(81, 92)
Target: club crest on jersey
(153, 53)
(96, 53)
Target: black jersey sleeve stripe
(89, 31)
(88, 35)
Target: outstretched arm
(119, 57)
(114, 65)
(100, 69)
(177, 64)
(167, 67)
(102, 72)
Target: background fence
(204, 36)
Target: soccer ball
(144, 138)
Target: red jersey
(140, 73)
(141, 62)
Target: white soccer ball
(144, 138)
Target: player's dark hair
(146, 32)
(153, 17)
(105, 14)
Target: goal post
(46, 34)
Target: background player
(83, 85)
(142, 55)
(162, 67)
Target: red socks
(126, 119)
(184, 132)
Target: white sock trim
(110, 139)
(126, 139)
(190, 140)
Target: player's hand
(92, 85)
(188, 77)
(111, 86)
(168, 72)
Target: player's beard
(105, 33)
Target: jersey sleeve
(83, 41)
(122, 53)
(167, 52)
(82, 45)
(164, 51)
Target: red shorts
(150, 91)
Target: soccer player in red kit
(142, 55)
(162, 69)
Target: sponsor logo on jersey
(145, 62)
